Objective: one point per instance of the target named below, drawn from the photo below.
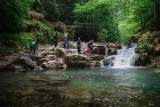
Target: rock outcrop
(148, 49)
(74, 60)
(49, 57)
(141, 60)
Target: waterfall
(125, 56)
(106, 51)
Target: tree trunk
(155, 10)
(156, 18)
(159, 7)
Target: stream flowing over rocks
(48, 57)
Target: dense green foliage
(12, 13)
(22, 21)
(49, 8)
(135, 16)
(96, 20)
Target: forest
(79, 53)
(102, 20)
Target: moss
(35, 15)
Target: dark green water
(102, 87)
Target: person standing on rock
(64, 41)
(55, 39)
(67, 40)
(33, 47)
(90, 45)
(79, 44)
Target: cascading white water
(125, 56)
(106, 49)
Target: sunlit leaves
(94, 17)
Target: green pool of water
(101, 87)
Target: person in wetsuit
(33, 46)
(55, 39)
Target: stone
(75, 60)
(96, 57)
(27, 62)
(72, 46)
(108, 61)
(157, 49)
(95, 64)
(48, 65)
(95, 50)
(60, 53)
(51, 81)
(60, 64)
(112, 51)
(114, 45)
(141, 60)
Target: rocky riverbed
(47, 57)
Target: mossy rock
(142, 59)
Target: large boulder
(48, 65)
(141, 60)
(60, 64)
(54, 64)
(157, 49)
(27, 62)
(74, 60)
(108, 61)
(7, 61)
(95, 63)
(95, 57)
(60, 53)
(21, 62)
(99, 50)
(112, 51)
(95, 50)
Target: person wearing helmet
(33, 46)
(79, 44)
(90, 44)
(55, 39)
(64, 41)
(67, 41)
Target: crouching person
(33, 47)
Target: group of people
(34, 45)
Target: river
(101, 87)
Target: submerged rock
(54, 81)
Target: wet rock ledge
(48, 57)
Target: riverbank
(48, 57)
